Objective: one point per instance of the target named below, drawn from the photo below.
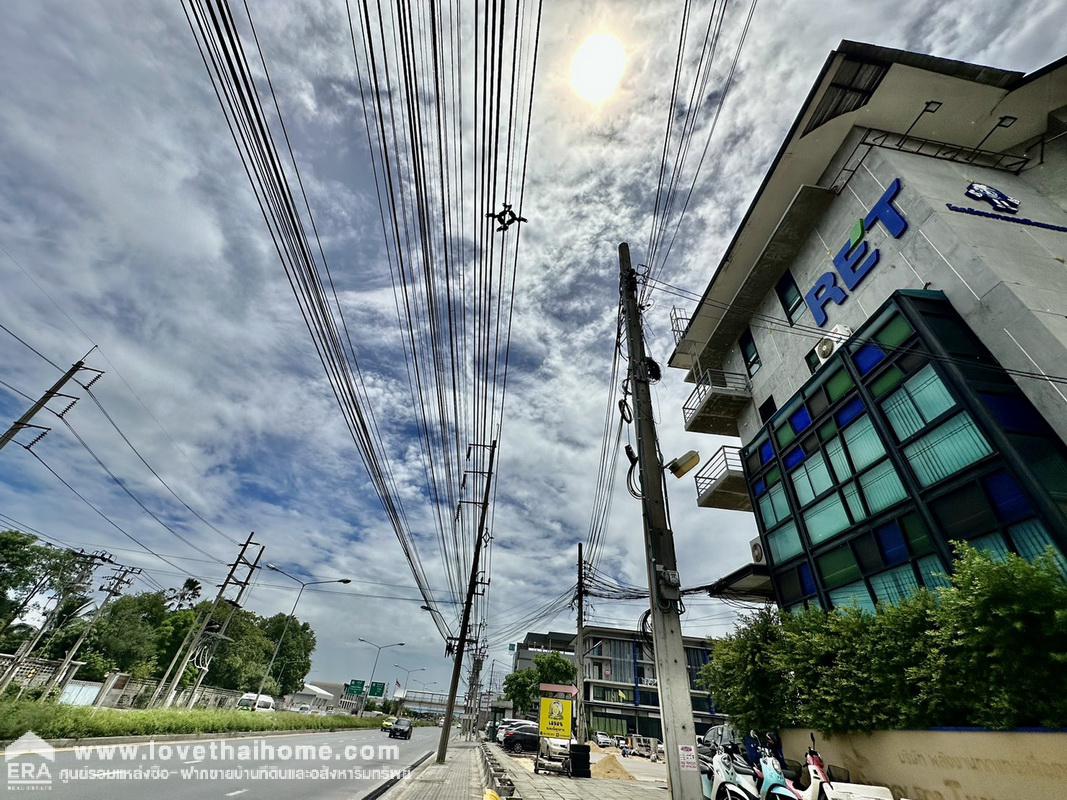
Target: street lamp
(278, 647)
(406, 679)
(375, 667)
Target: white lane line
(234, 794)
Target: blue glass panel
(800, 420)
(807, 581)
(766, 452)
(1014, 413)
(868, 357)
(1009, 498)
(891, 543)
(759, 487)
(794, 457)
(848, 412)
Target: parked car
(387, 723)
(556, 749)
(250, 701)
(522, 738)
(602, 739)
(507, 726)
(401, 729)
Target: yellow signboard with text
(556, 716)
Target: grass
(53, 721)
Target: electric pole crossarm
(25, 420)
(676, 710)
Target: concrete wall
(944, 765)
(1009, 281)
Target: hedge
(53, 721)
(989, 650)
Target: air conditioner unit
(828, 346)
(758, 556)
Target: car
(387, 723)
(507, 726)
(401, 729)
(602, 739)
(250, 701)
(556, 749)
(521, 739)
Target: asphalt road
(344, 764)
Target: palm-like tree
(186, 596)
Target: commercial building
(619, 684)
(887, 331)
(536, 643)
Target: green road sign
(377, 689)
(355, 688)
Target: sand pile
(609, 767)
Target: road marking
(239, 791)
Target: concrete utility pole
(25, 420)
(676, 710)
(84, 566)
(579, 651)
(116, 582)
(464, 626)
(169, 695)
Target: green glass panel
(836, 451)
(780, 502)
(784, 543)
(838, 567)
(933, 574)
(896, 584)
(828, 430)
(852, 498)
(811, 479)
(895, 332)
(854, 595)
(785, 435)
(766, 511)
(773, 476)
(863, 443)
(882, 487)
(918, 534)
(838, 385)
(946, 450)
(1032, 541)
(887, 381)
(922, 399)
(826, 518)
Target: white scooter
(726, 776)
(814, 783)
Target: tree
(521, 687)
(23, 564)
(186, 596)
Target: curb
(181, 737)
(389, 783)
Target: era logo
(855, 260)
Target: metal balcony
(716, 402)
(721, 482)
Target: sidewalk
(459, 778)
(555, 787)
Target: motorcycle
(815, 783)
(725, 775)
(773, 782)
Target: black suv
(522, 738)
(401, 729)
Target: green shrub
(53, 721)
(990, 650)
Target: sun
(597, 67)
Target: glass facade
(909, 438)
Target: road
(344, 764)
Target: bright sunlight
(597, 67)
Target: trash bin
(579, 760)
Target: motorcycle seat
(743, 769)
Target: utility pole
(457, 664)
(83, 567)
(218, 637)
(169, 695)
(474, 693)
(25, 420)
(676, 710)
(579, 650)
(112, 588)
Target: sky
(126, 222)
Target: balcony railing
(679, 323)
(721, 482)
(716, 401)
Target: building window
(826, 519)
(773, 506)
(855, 595)
(882, 487)
(811, 479)
(895, 585)
(946, 450)
(811, 358)
(767, 409)
(1033, 541)
(784, 543)
(790, 298)
(749, 353)
(933, 573)
(863, 443)
(922, 399)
